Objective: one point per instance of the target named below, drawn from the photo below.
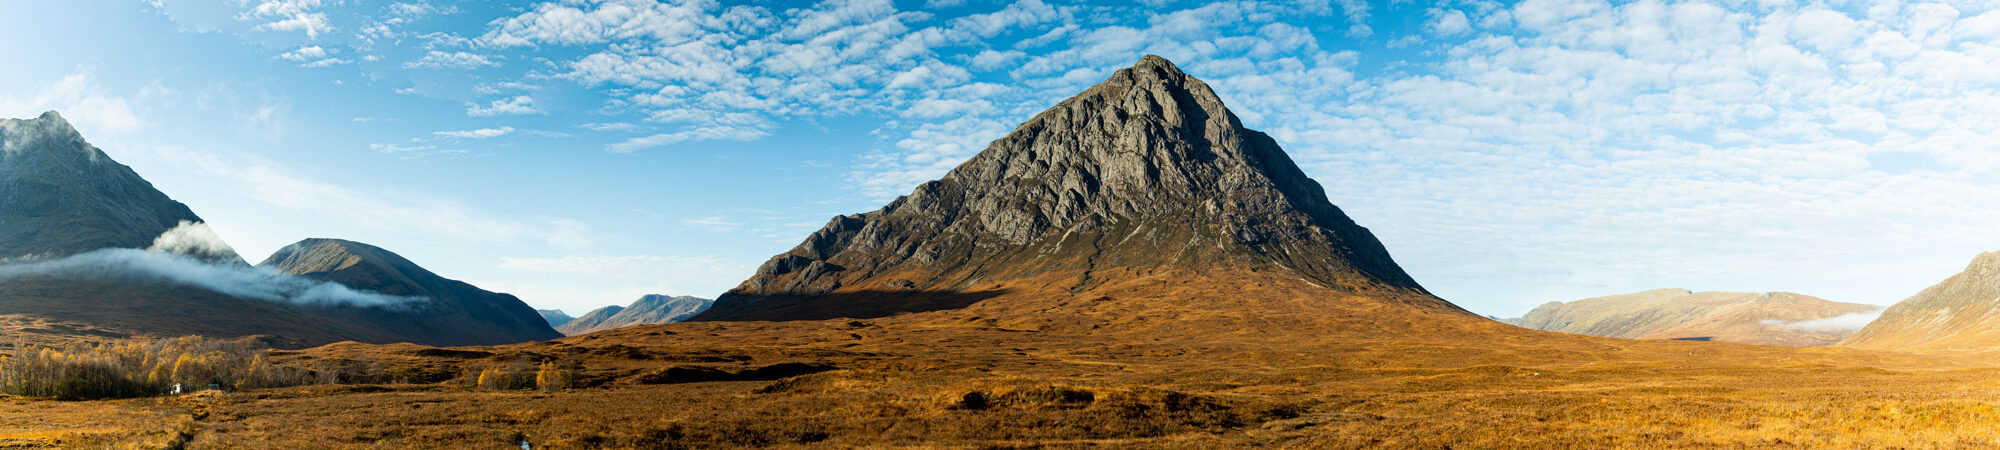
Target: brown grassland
(1156, 360)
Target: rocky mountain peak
(59, 195)
(48, 131)
(1146, 169)
(1987, 263)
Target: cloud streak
(234, 279)
(518, 105)
(1843, 322)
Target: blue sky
(584, 153)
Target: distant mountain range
(555, 317)
(1776, 318)
(650, 309)
(85, 239)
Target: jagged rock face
(1145, 170)
(650, 309)
(1961, 312)
(59, 195)
(1775, 318)
(455, 313)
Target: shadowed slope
(60, 196)
(1144, 174)
(168, 309)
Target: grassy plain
(1158, 361)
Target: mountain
(650, 309)
(1776, 318)
(1961, 312)
(455, 313)
(555, 317)
(60, 196)
(1146, 178)
(592, 319)
(85, 242)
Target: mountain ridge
(457, 313)
(1960, 312)
(86, 240)
(1772, 318)
(648, 309)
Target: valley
(1132, 267)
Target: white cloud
(326, 62)
(701, 133)
(1025, 13)
(481, 133)
(1448, 22)
(566, 24)
(451, 60)
(506, 86)
(611, 126)
(713, 223)
(699, 59)
(305, 53)
(1357, 17)
(400, 148)
(87, 105)
(234, 279)
(401, 212)
(289, 15)
(520, 104)
(194, 239)
(989, 59)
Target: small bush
(553, 377)
(506, 378)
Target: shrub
(506, 378)
(137, 368)
(552, 377)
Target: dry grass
(1037, 372)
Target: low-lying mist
(1843, 322)
(232, 278)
